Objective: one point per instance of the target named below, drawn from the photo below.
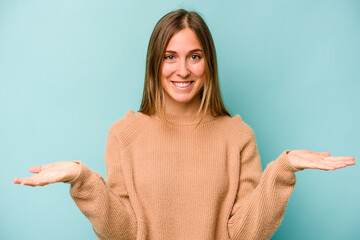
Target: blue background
(69, 69)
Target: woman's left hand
(302, 159)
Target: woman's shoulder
(236, 123)
(236, 128)
(131, 122)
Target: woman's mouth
(182, 85)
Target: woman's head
(168, 26)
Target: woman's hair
(166, 27)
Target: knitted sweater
(181, 182)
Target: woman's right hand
(51, 173)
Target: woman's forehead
(184, 40)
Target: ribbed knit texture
(181, 182)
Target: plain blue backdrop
(69, 69)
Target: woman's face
(183, 69)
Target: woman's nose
(182, 69)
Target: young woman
(182, 167)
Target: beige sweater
(176, 181)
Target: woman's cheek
(199, 69)
(167, 70)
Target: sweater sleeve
(105, 204)
(262, 197)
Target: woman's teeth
(182, 84)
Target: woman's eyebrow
(196, 50)
(191, 51)
(170, 51)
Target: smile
(182, 85)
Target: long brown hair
(166, 27)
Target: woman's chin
(184, 101)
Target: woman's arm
(262, 197)
(106, 205)
(108, 210)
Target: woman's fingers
(35, 180)
(332, 163)
(50, 173)
(320, 165)
(30, 182)
(324, 154)
(340, 158)
(35, 169)
(339, 162)
(27, 181)
(303, 159)
(39, 168)
(324, 166)
(17, 180)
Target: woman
(182, 167)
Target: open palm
(302, 159)
(51, 173)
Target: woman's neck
(184, 109)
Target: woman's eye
(195, 57)
(169, 57)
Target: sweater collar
(178, 120)
(188, 120)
